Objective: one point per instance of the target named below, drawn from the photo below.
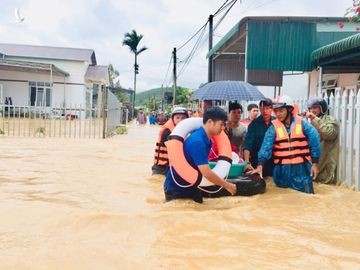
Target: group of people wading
(279, 143)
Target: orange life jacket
(293, 149)
(161, 154)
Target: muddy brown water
(92, 204)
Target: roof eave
(228, 39)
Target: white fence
(71, 121)
(345, 107)
(57, 121)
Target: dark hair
(252, 106)
(266, 102)
(235, 106)
(215, 114)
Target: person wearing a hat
(295, 145)
(161, 161)
(328, 128)
(255, 137)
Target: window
(40, 94)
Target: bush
(40, 131)
(119, 130)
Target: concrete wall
(344, 80)
(16, 83)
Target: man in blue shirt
(196, 149)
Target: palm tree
(132, 40)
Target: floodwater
(92, 204)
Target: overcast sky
(165, 24)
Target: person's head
(235, 111)
(190, 113)
(179, 114)
(317, 106)
(214, 120)
(283, 108)
(266, 106)
(253, 111)
(205, 104)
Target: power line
(197, 45)
(167, 72)
(201, 28)
(222, 7)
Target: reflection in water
(92, 204)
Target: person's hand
(231, 188)
(258, 170)
(314, 170)
(310, 115)
(248, 167)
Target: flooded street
(92, 204)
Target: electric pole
(210, 65)
(174, 76)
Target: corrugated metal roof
(32, 67)
(233, 31)
(98, 74)
(282, 43)
(337, 47)
(47, 52)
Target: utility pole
(174, 76)
(210, 65)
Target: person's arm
(199, 153)
(266, 150)
(249, 141)
(328, 129)
(215, 179)
(165, 135)
(314, 144)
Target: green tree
(151, 104)
(122, 97)
(183, 95)
(132, 40)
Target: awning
(340, 56)
(98, 74)
(337, 47)
(32, 67)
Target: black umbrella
(227, 90)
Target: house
(262, 50)
(50, 76)
(338, 66)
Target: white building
(50, 76)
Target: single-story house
(338, 66)
(50, 76)
(261, 50)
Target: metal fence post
(343, 136)
(351, 134)
(104, 115)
